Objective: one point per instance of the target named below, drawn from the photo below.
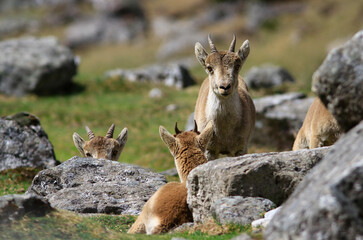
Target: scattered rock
(40, 66)
(171, 107)
(190, 122)
(24, 143)
(262, 222)
(101, 29)
(268, 175)
(89, 185)
(339, 82)
(243, 236)
(259, 12)
(278, 119)
(170, 75)
(327, 204)
(15, 206)
(240, 210)
(155, 93)
(267, 76)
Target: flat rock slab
(88, 185)
(273, 176)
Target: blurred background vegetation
(293, 34)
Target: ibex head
(222, 67)
(191, 139)
(101, 147)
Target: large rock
(15, 206)
(240, 210)
(89, 185)
(268, 175)
(278, 119)
(267, 76)
(328, 203)
(40, 66)
(339, 82)
(23, 143)
(170, 75)
(103, 29)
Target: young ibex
(319, 128)
(168, 207)
(101, 147)
(224, 98)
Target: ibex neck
(187, 160)
(218, 108)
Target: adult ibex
(101, 147)
(319, 129)
(168, 207)
(224, 98)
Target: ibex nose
(225, 87)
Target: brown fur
(224, 98)
(101, 147)
(319, 129)
(168, 207)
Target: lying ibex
(224, 98)
(101, 147)
(168, 207)
(319, 129)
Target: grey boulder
(339, 82)
(88, 185)
(240, 210)
(273, 176)
(267, 76)
(328, 203)
(278, 119)
(35, 65)
(24, 143)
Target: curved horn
(195, 127)
(233, 44)
(109, 133)
(177, 131)
(211, 44)
(89, 133)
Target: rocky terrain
(318, 191)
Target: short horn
(195, 127)
(211, 44)
(177, 131)
(89, 133)
(109, 133)
(233, 44)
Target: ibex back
(319, 129)
(168, 207)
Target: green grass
(15, 181)
(67, 225)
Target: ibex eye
(210, 69)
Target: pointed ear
(79, 143)
(244, 51)
(200, 53)
(168, 139)
(122, 138)
(205, 136)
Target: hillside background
(296, 35)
